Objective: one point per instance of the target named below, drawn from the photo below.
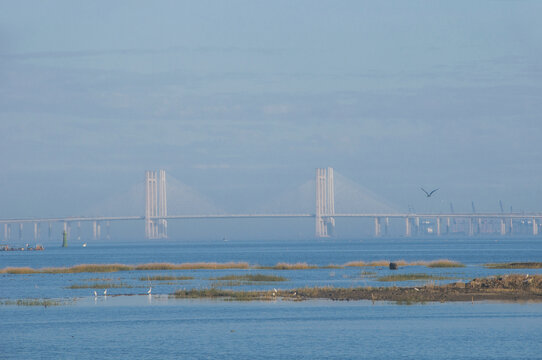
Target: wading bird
(428, 194)
(105, 292)
(149, 292)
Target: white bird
(105, 292)
(416, 289)
(95, 294)
(149, 292)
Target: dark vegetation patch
(165, 278)
(504, 288)
(410, 277)
(515, 265)
(252, 278)
(100, 285)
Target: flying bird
(428, 194)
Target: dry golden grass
(193, 266)
(19, 270)
(296, 266)
(106, 268)
(355, 264)
(384, 263)
(379, 263)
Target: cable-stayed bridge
(156, 216)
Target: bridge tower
(325, 202)
(155, 205)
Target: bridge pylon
(325, 202)
(155, 205)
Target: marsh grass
(106, 268)
(515, 265)
(99, 279)
(35, 302)
(441, 263)
(444, 263)
(217, 293)
(100, 285)
(410, 277)
(251, 278)
(165, 278)
(288, 266)
(193, 266)
(109, 268)
(19, 270)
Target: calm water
(159, 327)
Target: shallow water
(134, 327)
(160, 327)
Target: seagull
(95, 294)
(416, 289)
(149, 292)
(105, 292)
(428, 194)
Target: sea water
(136, 325)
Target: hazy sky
(242, 100)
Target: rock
(393, 266)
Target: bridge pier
(407, 227)
(36, 231)
(503, 227)
(20, 231)
(511, 226)
(325, 202)
(155, 205)
(94, 229)
(377, 226)
(438, 226)
(448, 223)
(535, 227)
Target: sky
(240, 101)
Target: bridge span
(156, 217)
